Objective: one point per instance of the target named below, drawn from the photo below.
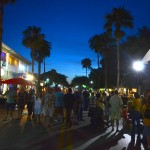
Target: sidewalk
(102, 140)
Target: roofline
(15, 54)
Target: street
(22, 134)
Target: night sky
(68, 24)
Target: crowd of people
(105, 109)
(133, 112)
(51, 104)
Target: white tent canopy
(146, 58)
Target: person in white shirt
(37, 108)
(48, 101)
(115, 109)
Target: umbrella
(20, 81)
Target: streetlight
(47, 82)
(138, 66)
(30, 77)
(91, 82)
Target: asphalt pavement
(85, 137)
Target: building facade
(13, 65)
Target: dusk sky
(68, 24)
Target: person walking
(80, 113)
(115, 109)
(48, 101)
(76, 107)
(86, 100)
(21, 101)
(30, 103)
(11, 95)
(100, 111)
(135, 116)
(146, 121)
(124, 116)
(37, 108)
(68, 104)
(58, 112)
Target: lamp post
(91, 85)
(138, 66)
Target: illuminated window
(3, 59)
(13, 61)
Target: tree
(118, 19)
(86, 63)
(42, 51)
(55, 77)
(31, 37)
(137, 45)
(93, 77)
(79, 81)
(106, 43)
(2, 3)
(95, 44)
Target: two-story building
(13, 65)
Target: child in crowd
(124, 116)
(37, 108)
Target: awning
(146, 58)
(20, 81)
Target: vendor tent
(20, 81)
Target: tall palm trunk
(32, 61)
(98, 59)
(118, 64)
(1, 30)
(86, 76)
(39, 71)
(105, 73)
(98, 78)
(44, 65)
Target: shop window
(13, 61)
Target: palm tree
(95, 45)
(106, 43)
(116, 20)
(31, 37)
(86, 63)
(2, 3)
(40, 53)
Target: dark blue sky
(68, 24)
